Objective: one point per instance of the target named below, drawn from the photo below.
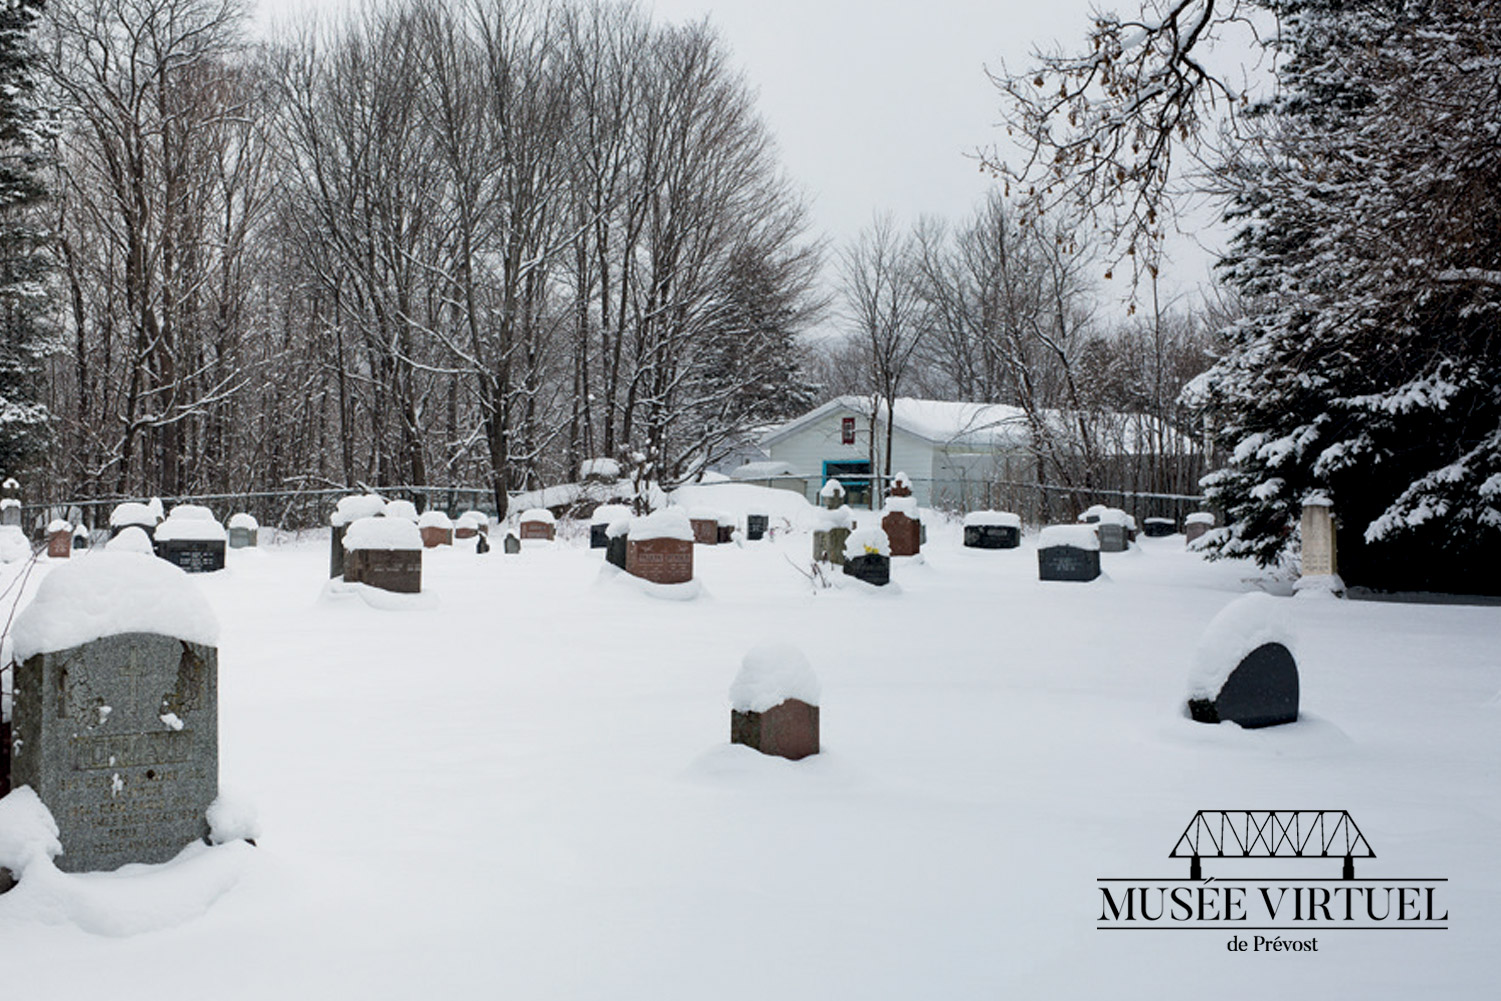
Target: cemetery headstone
(244, 531)
(1159, 528)
(116, 714)
(900, 520)
(436, 528)
(403, 509)
(482, 545)
(1091, 515)
(1068, 553)
(384, 553)
(992, 530)
(470, 524)
(347, 510)
(725, 530)
(756, 526)
(59, 540)
(10, 512)
(832, 494)
(616, 539)
(659, 547)
(1112, 526)
(538, 523)
(867, 556)
(600, 521)
(81, 537)
(1320, 558)
(133, 515)
(705, 524)
(1244, 671)
(1196, 524)
(191, 539)
(830, 531)
(512, 544)
(774, 703)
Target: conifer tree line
(1364, 365)
(423, 242)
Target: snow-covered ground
(522, 787)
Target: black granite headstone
(873, 568)
(1067, 563)
(193, 555)
(992, 537)
(599, 536)
(616, 550)
(1159, 528)
(756, 526)
(1261, 691)
(481, 544)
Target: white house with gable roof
(946, 448)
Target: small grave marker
(1159, 528)
(538, 524)
(191, 539)
(1196, 524)
(1244, 670)
(600, 521)
(774, 703)
(384, 553)
(756, 526)
(59, 540)
(867, 556)
(436, 529)
(244, 531)
(512, 544)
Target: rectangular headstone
(599, 536)
(662, 561)
(904, 533)
(1112, 537)
(193, 555)
(119, 737)
(756, 526)
(1068, 563)
(242, 538)
(1319, 559)
(872, 568)
(398, 570)
(992, 536)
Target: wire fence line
(296, 510)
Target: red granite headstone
(661, 561)
(435, 536)
(705, 531)
(537, 530)
(905, 534)
(786, 730)
(398, 570)
(465, 532)
(60, 545)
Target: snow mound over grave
(132, 539)
(434, 519)
(668, 523)
(770, 674)
(1199, 518)
(190, 528)
(1077, 536)
(382, 533)
(110, 593)
(993, 519)
(354, 508)
(243, 520)
(742, 499)
(27, 831)
(1246, 623)
(600, 469)
(14, 546)
(867, 542)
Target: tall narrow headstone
(349, 509)
(116, 714)
(1320, 564)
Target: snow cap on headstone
(770, 674)
(132, 513)
(608, 514)
(111, 593)
(190, 527)
(1240, 627)
(1078, 536)
(382, 533)
(433, 518)
(992, 519)
(870, 541)
(832, 488)
(668, 523)
(358, 506)
(538, 514)
(243, 520)
(58, 525)
(405, 510)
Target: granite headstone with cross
(115, 717)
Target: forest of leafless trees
(476, 242)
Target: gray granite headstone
(513, 544)
(1112, 537)
(119, 738)
(242, 538)
(1261, 691)
(615, 550)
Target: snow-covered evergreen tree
(1369, 367)
(24, 259)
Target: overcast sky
(878, 105)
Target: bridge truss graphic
(1271, 834)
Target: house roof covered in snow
(942, 422)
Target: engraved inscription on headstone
(119, 738)
(193, 555)
(756, 526)
(1067, 563)
(1319, 559)
(662, 561)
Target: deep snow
(525, 788)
